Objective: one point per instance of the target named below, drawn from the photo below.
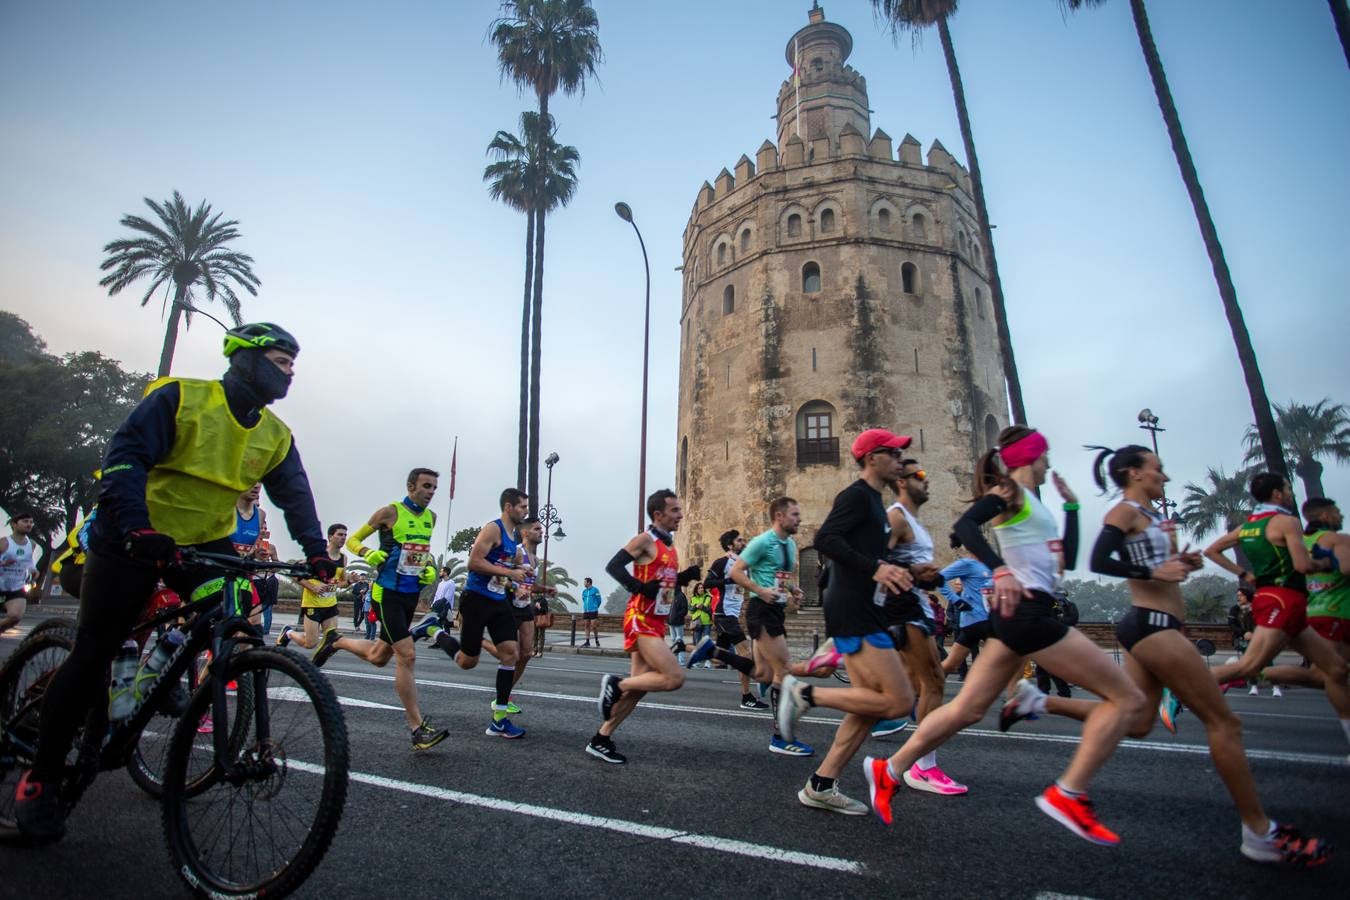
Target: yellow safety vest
(191, 492)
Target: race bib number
(879, 596)
(327, 589)
(665, 599)
(785, 585)
(413, 558)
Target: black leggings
(113, 594)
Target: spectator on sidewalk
(267, 585)
(543, 621)
(359, 590)
(443, 605)
(700, 612)
(679, 611)
(590, 612)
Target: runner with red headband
(1033, 556)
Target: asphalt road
(704, 809)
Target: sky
(348, 140)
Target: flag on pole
(454, 458)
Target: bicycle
(257, 776)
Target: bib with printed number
(664, 568)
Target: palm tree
(1308, 432)
(913, 16)
(1219, 507)
(532, 172)
(546, 46)
(1340, 15)
(1251, 370)
(558, 577)
(186, 247)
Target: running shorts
(593, 614)
(765, 618)
(729, 631)
(6, 596)
(522, 613)
(1282, 608)
(973, 634)
(1332, 628)
(1139, 623)
(479, 613)
(905, 609)
(853, 644)
(637, 624)
(393, 609)
(319, 614)
(1032, 627)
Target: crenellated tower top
(823, 94)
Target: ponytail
(990, 471)
(1121, 460)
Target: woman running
(1137, 544)
(1024, 624)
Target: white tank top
(1030, 545)
(732, 595)
(1152, 546)
(15, 564)
(919, 550)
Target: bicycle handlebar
(238, 564)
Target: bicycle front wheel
(23, 684)
(260, 821)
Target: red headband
(1024, 451)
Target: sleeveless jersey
(733, 598)
(15, 565)
(1155, 544)
(521, 597)
(1030, 545)
(1271, 565)
(1328, 592)
(508, 554)
(919, 550)
(327, 595)
(247, 532)
(664, 568)
(408, 544)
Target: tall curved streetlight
(1149, 422)
(625, 212)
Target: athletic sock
(809, 695)
(821, 783)
(1248, 834)
(1072, 795)
(774, 694)
(928, 761)
(890, 770)
(742, 664)
(505, 676)
(1038, 704)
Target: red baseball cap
(879, 439)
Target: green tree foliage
(18, 343)
(462, 541)
(1309, 434)
(1207, 598)
(564, 600)
(615, 601)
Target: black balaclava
(258, 376)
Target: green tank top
(1328, 592)
(1272, 566)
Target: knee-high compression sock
(743, 664)
(774, 693)
(505, 676)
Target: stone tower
(830, 285)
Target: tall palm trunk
(523, 443)
(1251, 371)
(1019, 410)
(1340, 14)
(1309, 471)
(171, 330)
(536, 354)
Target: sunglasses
(891, 452)
(919, 474)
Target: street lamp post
(1149, 422)
(625, 212)
(548, 516)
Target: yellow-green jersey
(327, 595)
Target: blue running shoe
(422, 630)
(504, 728)
(1169, 708)
(889, 726)
(790, 748)
(702, 653)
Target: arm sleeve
(618, 570)
(831, 540)
(1070, 539)
(717, 575)
(967, 528)
(143, 440)
(1106, 556)
(288, 487)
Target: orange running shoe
(1076, 814)
(880, 786)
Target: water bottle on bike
(164, 650)
(121, 695)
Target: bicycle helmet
(260, 336)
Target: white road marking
(1155, 746)
(298, 695)
(569, 817)
(1051, 895)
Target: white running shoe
(791, 705)
(1025, 703)
(831, 799)
(1254, 692)
(1275, 691)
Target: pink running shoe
(933, 780)
(207, 725)
(826, 657)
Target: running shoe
(327, 647)
(825, 657)
(609, 695)
(602, 747)
(1227, 686)
(284, 639)
(424, 736)
(702, 653)
(1286, 844)
(504, 729)
(1025, 702)
(37, 809)
(443, 640)
(1168, 710)
(888, 727)
(207, 726)
(881, 787)
(1275, 691)
(791, 705)
(1076, 814)
(790, 748)
(934, 781)
(422, 630)
(831, 799)
(749, 702)
(1254, 692)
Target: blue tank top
(246, 531)
(508, 554)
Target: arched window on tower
(975, 250)
(745, 240)
(684, 466)
(990, 432)
(728, 300)
(920, 226)
(827, 221)
(811, 278)
(884, 220)
(909, 278)
(979, 302)
(794, 225)
(817, 443)
(961, 240)
(721, 254)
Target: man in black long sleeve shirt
(854, 537)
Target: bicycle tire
(318, 835)
(21, 696)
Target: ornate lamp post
(1149, 422)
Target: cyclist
(171, 475)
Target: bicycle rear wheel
(265, 827)
(23, 683)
